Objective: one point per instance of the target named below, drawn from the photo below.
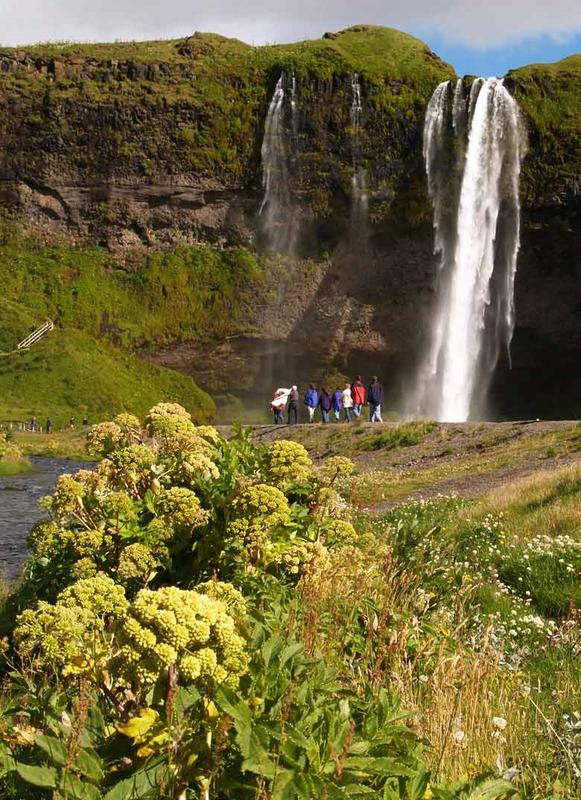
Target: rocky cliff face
(155, 146)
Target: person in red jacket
(358, 394)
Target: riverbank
(69, 444)
(12, 459)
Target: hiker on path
(337, 403)
(325, 403)
(278, 404)
(358, 395)
(293, 405)
(375, 399)
(49, 425)
(311, 401)
(347, 402)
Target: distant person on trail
(311, 401)
(347, 402)
(49, 425)
(293, 405)
(278, 404)
(33, 424)
(375, 399)
(325, 403)
(358, 395)
(337, 403)
(72, 422)
(85, 421)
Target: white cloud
(479, 24)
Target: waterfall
(277, 212)
(359, 177)
(472, 149)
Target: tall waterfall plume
(359, 178)
(473, 146)
(278, 217)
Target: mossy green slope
(550, 97)
(69, 373)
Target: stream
(19, 496)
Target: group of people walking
(350, 401)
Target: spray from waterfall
(278, 217)
(359, 177)
(472, 149)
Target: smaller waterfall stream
(277, 212)
(359, 178)
(472, 149)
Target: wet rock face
(131, 155)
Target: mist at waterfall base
(285, 236)
(473, 147)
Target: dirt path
(469, 459)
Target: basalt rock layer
(146, 149)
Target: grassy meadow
(403, 602)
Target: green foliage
(405, 435)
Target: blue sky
(486, 37)
(498, 60)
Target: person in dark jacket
(293, 406)
(49, 425)
(325, 403)
(375, 399)
(311, 401)
(337, 402)
(358, 395)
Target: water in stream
(19, 496)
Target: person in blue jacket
(375, 399)
(325, 403)
(337, 403)
(311, 401)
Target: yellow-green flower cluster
(339, 532)
(181, 507)
(67, 498)
(53, 635)
(287, 463)
(336, 467)
(136, 563)
(327, 502)
(257, 511)
(100, 595)
(128, 423)
(185, 628)
(103, 437)
(131, 468)
(231, 597)
(165, 419)
(298, 557)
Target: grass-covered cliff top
(550, 97)
(371, 49)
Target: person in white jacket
(278, 404)
(347, 402)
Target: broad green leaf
(76, 789)
(370, 765)
(236, 708)
(37, 776)
(55, 749)
(493, 789)
(89, 764)
(143, 784)
(416, 788)
(290, 651)
(270, 648)
(7, 762)
(253, 743)
(138, 726)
